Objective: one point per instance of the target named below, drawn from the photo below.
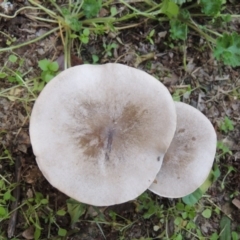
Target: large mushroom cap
(99, 132)
(190, 156)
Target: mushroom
(99, 132)
(190, 156)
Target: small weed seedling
(108, 48)
(229, 170)
(95, 58)
(6, 155)
(5, 197)
(224, 150)
(18, 79)
(13, 76)
(75, 210)
(49, 69)
(148, 206)
(150, 36)
(183, 216)
(77, 21)
(226, 125)
(182, 91)
(36, 211)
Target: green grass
(76, 22)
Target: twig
(30, 41)
(16, 194)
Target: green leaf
(113, 45)
(225, 149)
(3, 211)
(38, 86)
(73, 35)
(70, 20)
(91, 7)
(184, 215)
(192, 214)
(86, 31)
(226, 18)
(191, 225)
(75, 210)
(53, 66)
(211, 8)
(65, 11)
(235, 236)
(184, 14)
(180, 206)
(2, 75)
(74, 24)
(44, 201)
(169, 8)
(113, 215)
(225, 227)
(84, 39)
(62, 232)
(207, 213)
(227, 125)
(61, 212)
(215, 172)
(178, 30)
(113, 11)
(95, 58)
(43, 64)
(179, 237)
(228, 49)
(152, 33)
(2, 183)
(150, 211)
(37, 233)
(214, 236)
(12, 58)
(207, 183)
(193, 198)
(47, 76)
(7, 195)
(199, 234)
(18, 77)
(178, 221)
(12, 79)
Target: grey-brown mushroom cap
(190, 157)
(99, 132)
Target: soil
(214, 91)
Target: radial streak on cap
(99, 132)
(189, 159)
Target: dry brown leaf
(14, 93)
(32, 174)
(28, 233)
(236, 202)
(29, 193)
(103, 12)
(22, 148)
(190, 66)
(227, 208)
(23, 138)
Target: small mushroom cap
(190, 156)
(99, 132)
